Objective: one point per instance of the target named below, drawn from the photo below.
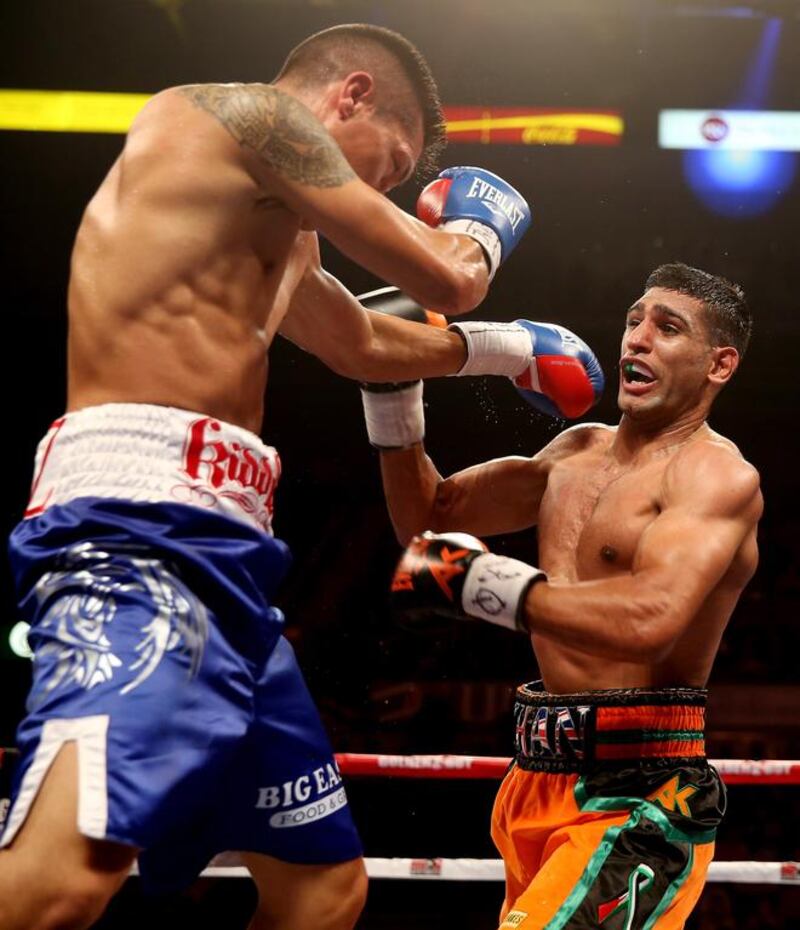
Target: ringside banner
(738, 130)
(533, 126)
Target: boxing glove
(563, 378)
(551, 367)
(479, 204)
(455, 575)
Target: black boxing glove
(454, 574)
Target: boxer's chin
(638, 408)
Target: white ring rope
(491, 870)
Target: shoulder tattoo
(278, 128)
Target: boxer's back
(591, 520)
(181, 272)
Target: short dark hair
(729, 320)
(335, 52)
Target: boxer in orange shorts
(647, 536)
(609, 811)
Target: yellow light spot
(68, 110)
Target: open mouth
(636, 373)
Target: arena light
(739, 184)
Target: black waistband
(622, 726)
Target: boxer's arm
(500, 496)
(324, 318)
(294, 156)
(713, 504)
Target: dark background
(603, 218)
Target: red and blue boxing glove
(564, 378)
(477, 203)
(551, 368)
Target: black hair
(334, 52)
(730, 322)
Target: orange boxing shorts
(608, 814)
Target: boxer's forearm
(410, 483)
(324, 318)
(441, 271)
(400, 350)
(628, 618)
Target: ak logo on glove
(413, 563)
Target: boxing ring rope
(734, 771)
(491, 870)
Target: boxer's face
(666, 357)
(381, 133)
(381, 150)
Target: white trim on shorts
(146, 453)
(90, 735)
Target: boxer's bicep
(499, 496)
(325, 319)
(688, 548)
(504, 495)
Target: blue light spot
(739, 183)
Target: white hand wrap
(494, 348)
(395, 419)
(484, 235)
(495, 587)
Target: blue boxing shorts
(146, 566)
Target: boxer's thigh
(613, 870)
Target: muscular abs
(591, 519)
(182, 269)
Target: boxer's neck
(635, 440)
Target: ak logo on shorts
(673, 796)
(551, 732)
(304, 800)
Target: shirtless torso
(646, 531)
(198, 247)
(592, 518)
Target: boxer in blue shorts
(167, 719)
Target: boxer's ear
(724, 362)
(357, 91)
